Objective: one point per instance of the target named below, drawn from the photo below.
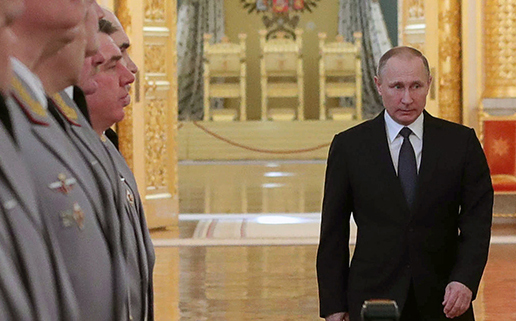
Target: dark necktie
(80, 101)
(407, 167)
(55, 113)
(4, 117)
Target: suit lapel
(429, 156)
(387, 173)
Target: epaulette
(34, 111)
(69, 113)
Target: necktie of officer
(407, 167)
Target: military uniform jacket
(138, 223)
(34, 284)
(71, 204)
(137, 246)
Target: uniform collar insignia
(34, 111)
(69, 113)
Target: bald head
(121, 40)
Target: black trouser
(410, 310)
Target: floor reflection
(255, 279)
(251, 187)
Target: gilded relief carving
(156, 158)
(416, 9)
(450, 70)
(155, 55)
(412, 23)
(500, 37)
(155, 10)
(125, 136)
(125, 127)
(124, 15)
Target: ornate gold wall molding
(156, 129)
(450, 61)
(124, 15)
(125, 136)
(155, 10)
(412, 24)
(160, 97)
(416, 9)
(148, 133)
(154, 62)
(500, 50)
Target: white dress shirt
(31, 79)
(395, 139)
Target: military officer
(34, 284)
(67, 184)
(106, 108)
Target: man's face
(89, 70)
(121, 40)
(9, 11)
(106, 105)
(72, 57)
(93, 14)
(403, 85)
(55, 14)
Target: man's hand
(457, 299)
(339, 316)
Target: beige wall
(324, 18)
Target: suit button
(411, 230)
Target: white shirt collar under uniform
(31, 80)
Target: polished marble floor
(246, 242)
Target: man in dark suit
(421, 195)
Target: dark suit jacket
(444, 238)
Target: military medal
(130, 197)
(69, 218)
(63, 185)
(78, 216)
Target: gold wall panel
(155, 58)
(450, 61)
(412, 24)
(155, 10)
(148, 133)
(156, 128)
(125, 127)
(125, 135)
(500, 48)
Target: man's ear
(377, 82)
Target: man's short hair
(105, 26)
(405, 52)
